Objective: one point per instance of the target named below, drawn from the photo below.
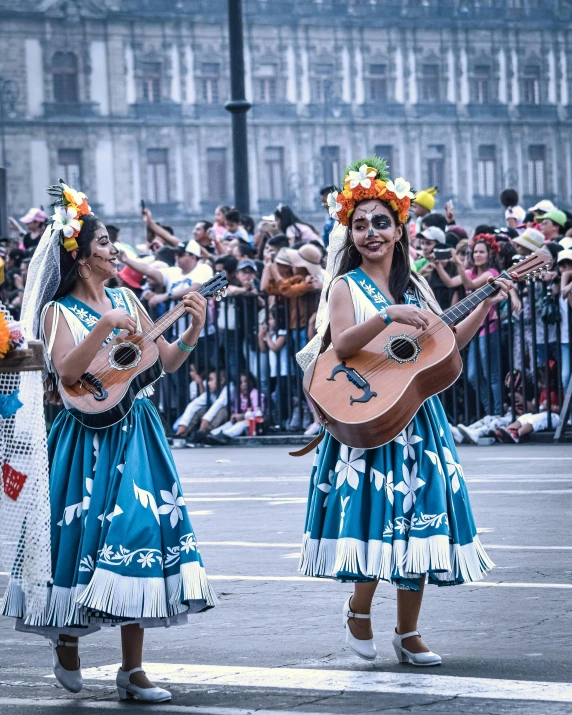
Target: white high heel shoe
(71, 680)
(405, 656)
(363, 649)
(129, 691)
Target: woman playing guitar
(123, 548)
(398, 513)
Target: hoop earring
(79, 271)
(349, 248)
(399, 245)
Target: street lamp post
(238, 107)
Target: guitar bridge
(356, 379)
(94, 386)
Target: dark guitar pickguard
(356, 379)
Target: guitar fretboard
(463, 308)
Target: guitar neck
(165, 321)
(460, 310)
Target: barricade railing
(516, 362)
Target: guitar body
(369, 398)
(120, 370)
(105, 393)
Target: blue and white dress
(396, 512)
(123, 548)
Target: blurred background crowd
(243, 379)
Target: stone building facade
(125, 99)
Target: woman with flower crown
(398, 513)
(123, 551)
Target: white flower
(172, 505)
(407, 439)
(146, 559)
(333, 205)
(76, 196)
(362, 177)
(400, 188)
(106, 553)
(378, 477)
(326, 487)
(411, 482)
(189, 543)
(454, 469)
(348, 467)
(65, 221)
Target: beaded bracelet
(185, 348)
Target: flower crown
(69, 207)
(487, 238)
(369, 179)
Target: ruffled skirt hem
(401, 562)
(114, 599)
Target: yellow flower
(70, 244)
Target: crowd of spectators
(243, 377)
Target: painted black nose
(370, 233)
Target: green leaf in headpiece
(380, 165)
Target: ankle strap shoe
(364, 649)
(405, 656)
(71, 680)
(129, 691)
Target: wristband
(384, 316)
(185, 348)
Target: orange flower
(83, 208)
(4, 336)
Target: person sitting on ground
(197, 412)
(233, 228)
(297, 230)
(536, 421)
(249, 404)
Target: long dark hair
(400, 273)
(68, 277)
(286, 218)
(492, 246)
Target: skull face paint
(379, 222)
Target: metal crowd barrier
(507, 365)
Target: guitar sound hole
(125, 356)
(402, 349)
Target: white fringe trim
(15, 605)
(112, 596)
(375, 559)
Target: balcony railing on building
(75, 110)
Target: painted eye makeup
(380, 222)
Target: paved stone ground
(518, 628)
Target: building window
(385, 151)
(330, 156)
(210, 82)
(217, 166)
(378, 83)
(266, 90)
(322, 84)
(531, 85)
(486, 170)
(482, 84)
(273, 185)
(436, 165)
(430, 83)
(65, 74)
(158, 176)
(537, 169)
(69, 167)
(151, 81)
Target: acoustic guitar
(365, 401)
(105, 393)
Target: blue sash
(369, 289)
(89, 317)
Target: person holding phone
(432, 242)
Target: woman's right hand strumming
(120, 318)
(408, 315)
